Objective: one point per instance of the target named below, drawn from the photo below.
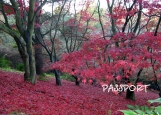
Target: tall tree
(22, 31)
(38, 47)
(52, 20)
(63, 31)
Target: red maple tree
(129, 50)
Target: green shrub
(43, 77)
(49, 74)
(67, 77)
(109, 112)
(144, 110)
(20, 67)
(4, 63)
(17, 113)
(63, 76)
(14, 46)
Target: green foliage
(67, 77)
(64, 76)
(49, 74)
(128, 112)
(17, 113)
(155, 100)
(14, 46)
(143, 110)
(109, 112)
(11, 44)
(4, 63)
(20, 67)
(43, 77)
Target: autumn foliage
(45, 98)
(101, 59)
(127, 44)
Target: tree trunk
(26, 67)
(26, 53)
(28, 38)
(130, 95)
(76, 80)
(138, 75)
(30, 65)
(38, 48)
(56, 72)
(30, 51)
(57, 76)
(39, 60)
(38, 52)
(24, 56)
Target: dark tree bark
(130, 95)
(39, 61)
(138, 75)
(77, 82)
(38, 47)
(57, 76)
(38, 52)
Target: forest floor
(45, 98)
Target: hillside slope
(48, 99)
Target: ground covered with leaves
(17, 96)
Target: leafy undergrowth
(68, 99)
